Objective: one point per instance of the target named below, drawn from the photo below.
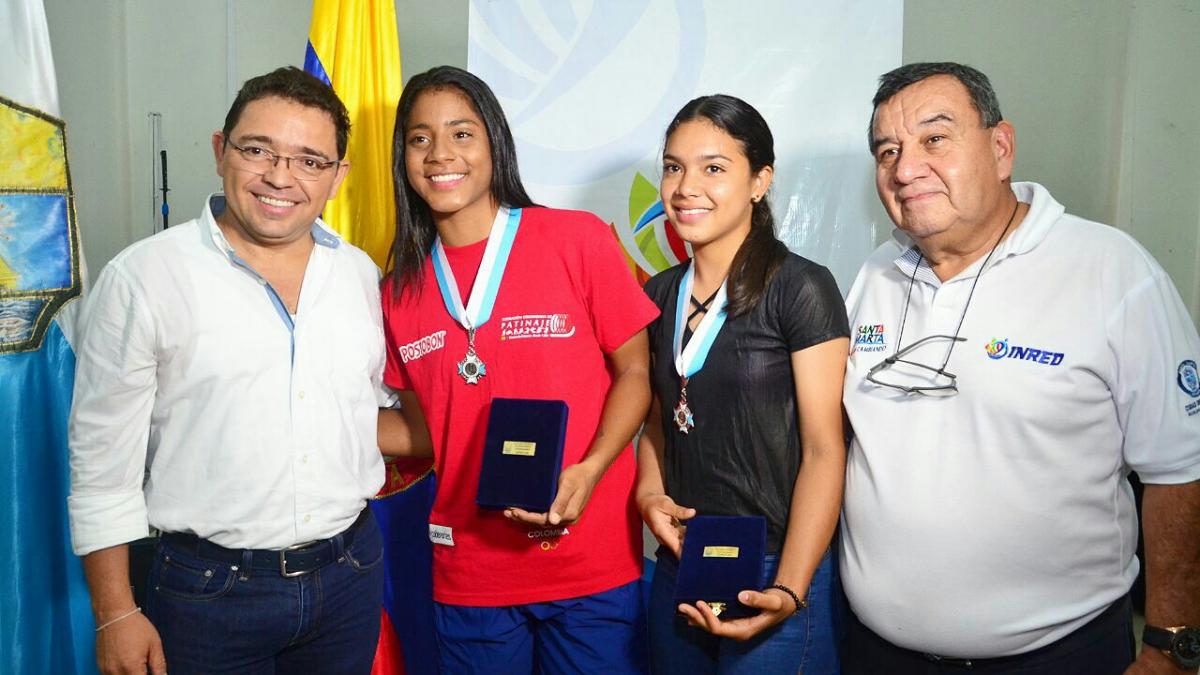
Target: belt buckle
(283, 571)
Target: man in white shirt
(227, 393)
(1011, 365)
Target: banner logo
(546, 62)
(536, 55)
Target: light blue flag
(45, 616)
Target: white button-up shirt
(202, 406)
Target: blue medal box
(522, 454)
(722, 556)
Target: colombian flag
(353, 46)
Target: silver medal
(483, 292)
(471, 368)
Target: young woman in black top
(756, 426)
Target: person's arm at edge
(129, 643)
(403, 431)
(624, 409)
(1170, 529)
(818, 372)
(115, 366)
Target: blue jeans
(221, 618)
(598, 633)
(806, 642)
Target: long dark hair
(415, 229)
(761, 254)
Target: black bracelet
(800, 604)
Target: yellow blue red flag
(353, 46)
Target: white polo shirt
(250, 427)
(999, 520)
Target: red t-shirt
(566, 299)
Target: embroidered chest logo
(418, 348)
(870, 338)
(536, 326)
(1189, 381)
(999, 349)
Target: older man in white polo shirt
(226, 394)
(1011, 365)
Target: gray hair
(983, 97)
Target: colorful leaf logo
(650, 242)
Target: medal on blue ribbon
(689, 361)
(478, 308)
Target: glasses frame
(892, 360)
(274, 157)
(889, 362)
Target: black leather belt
(289, 562)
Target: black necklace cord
(970, 294)
(702, 307)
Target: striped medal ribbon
(689, 361)
(478, 309)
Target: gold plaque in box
(721, 551)
(522, 448)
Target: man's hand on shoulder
(129, 646)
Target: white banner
(26, 63)
(590, 86)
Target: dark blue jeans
(806, 642)
(221, 618)
(599, 633)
